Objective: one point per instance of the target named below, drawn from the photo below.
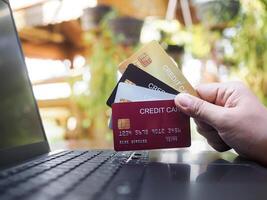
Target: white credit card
(129, 92)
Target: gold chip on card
(124, 100)
(129, 82)
(144, 59)
(124, 124)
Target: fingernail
(184, 100)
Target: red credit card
(149, 125)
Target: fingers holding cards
(144, 115)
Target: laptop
(29, 170)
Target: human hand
(229, 116)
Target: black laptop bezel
(16, 155)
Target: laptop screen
(19, 119)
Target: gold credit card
(154, 60)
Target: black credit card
(136, 76)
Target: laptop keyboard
(76, 175)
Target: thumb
(199, 109)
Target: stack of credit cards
(144, 115)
